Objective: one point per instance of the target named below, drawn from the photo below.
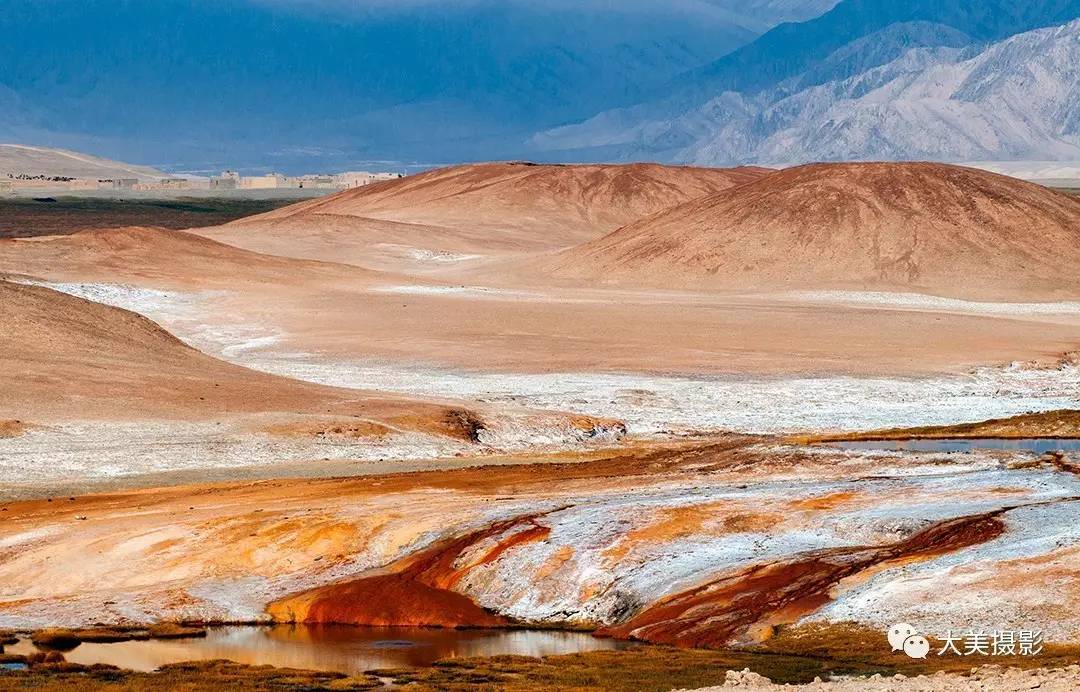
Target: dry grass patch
(637, 669)
(205, 676)
(853, 646)
(172, 630)
(56, 638)
(795, 654)
(65, 639)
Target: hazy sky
(758, 13)
(185, 80)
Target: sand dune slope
(920, 227)
(64, 357)
(159, 257)
(479, 209)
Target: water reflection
(333, 648)
(1037, 445)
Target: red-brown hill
(478, 209)
(920, 227)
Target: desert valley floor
(591, 398)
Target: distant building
(125, 183)
(270, 181)
(361, 178)
(6, 185)
(231, 180)
(228, 180)
(318, 182)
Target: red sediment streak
(536, 532)
(395, 600)
(721, 611)
(416, 591)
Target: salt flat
(647, 402)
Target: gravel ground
(984, 678)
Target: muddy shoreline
(798, 655)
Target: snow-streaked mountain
(790, 49)
(879, 48)
(1014, 99)
(284, 84)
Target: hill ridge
(922, 227)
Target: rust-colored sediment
(735, 606)
(416, 591)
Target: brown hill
(479, 209)
(157, 256)
(918, 227)
(64, 357)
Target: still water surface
(1037, 445)
(332, 648)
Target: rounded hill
(920, 227)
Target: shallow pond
(1037, 445)
(332, 648)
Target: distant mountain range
(303, 84)
(295, 85)
(871, 79)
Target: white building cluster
(231, 180)
(228, 180)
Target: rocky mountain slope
(1015, 100)
(905, 90)
(791, 49)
